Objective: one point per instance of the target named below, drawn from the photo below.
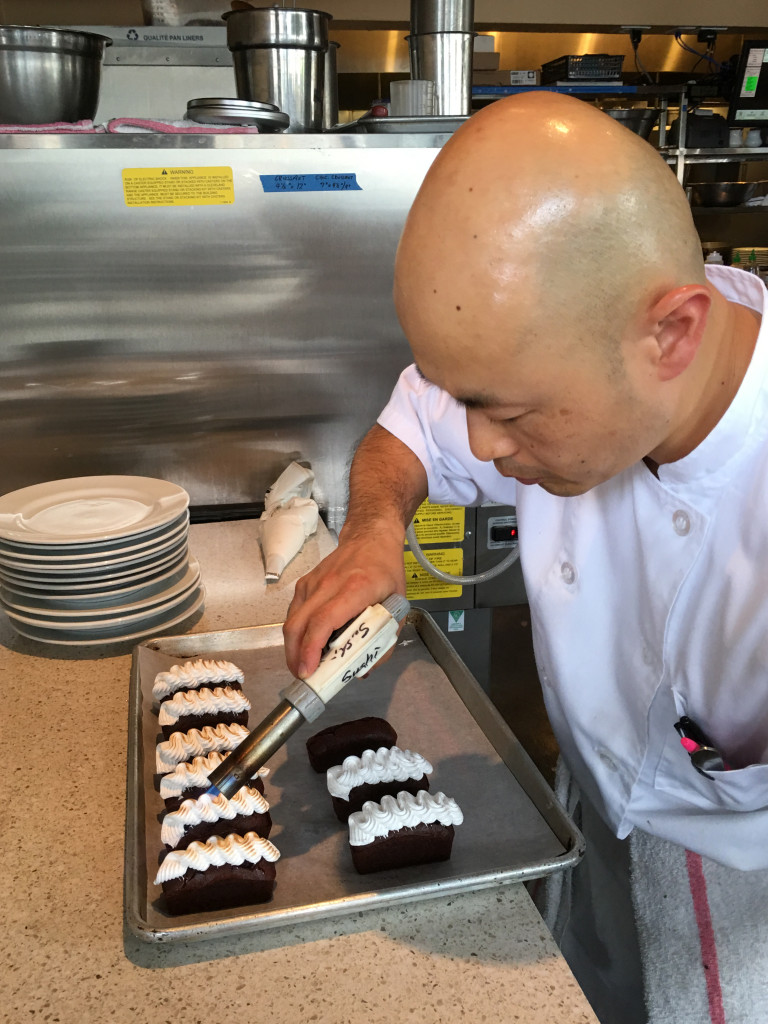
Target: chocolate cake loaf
(330, 746)
(189, 779)
(182, 746)
(198, 820)
(194, 674)
(403, 831)
(232, 871)
(376, 773)
(194, 709)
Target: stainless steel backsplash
(208, 345)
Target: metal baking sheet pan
(513, 827)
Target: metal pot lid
(230, 105)
(270, 120)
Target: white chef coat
(649, 600)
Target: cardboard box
(485, 61)
(71, 12)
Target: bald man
(572, 358)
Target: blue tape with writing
(310, 182)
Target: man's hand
(359, 573)
(387, 483)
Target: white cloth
(654, 933)
(649, 600)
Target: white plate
(109, 623)
(146, 538)
(105, 568)
(72, 563)
(77, 638)
(80, 579)
(89, 508)
(78, 601)
(63, 611)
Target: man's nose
(488, 439)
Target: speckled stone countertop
(64, 955)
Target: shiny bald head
(550, 277)
(541, 195)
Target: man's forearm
(387, 482)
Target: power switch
(502, 532)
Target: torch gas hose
(464, 581)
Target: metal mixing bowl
(49, 74)
(722, 193)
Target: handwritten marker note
(310, 182)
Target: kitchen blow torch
(351, 651)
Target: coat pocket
(741, 789)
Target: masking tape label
(439, 524)
(422, 586)
(178, 186)
(340, 182)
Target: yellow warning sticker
(422, 586)
(439, 524)
(178, 186)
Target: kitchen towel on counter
(186, 127)
(654, 933)
(55, 128)
(702, 934)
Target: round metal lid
(232, 105)
(265, 116)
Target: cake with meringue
(194, 709)
(205, 816)
(191, 675)
(403, 831)
(189, 779)
(223, 872)
(373, 775)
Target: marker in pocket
(705, 757)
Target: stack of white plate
(97, 559)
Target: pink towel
(138, 124)
(56, 127)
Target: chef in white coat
(573, 358)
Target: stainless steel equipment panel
(208, 345)
(513, 828)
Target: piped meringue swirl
(181, 746)
(387, 764)
(193, 774)
(203, 702)
(403, 811)
(194, 674)
(246, 801)
(216, 852)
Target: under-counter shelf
(732, 225)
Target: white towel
(695, 930)
(703, 936)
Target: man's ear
(677, 321)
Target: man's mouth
(521, 477)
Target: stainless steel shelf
(713, 156)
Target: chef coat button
(681, 522)
(568, 573)
(607, 760)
